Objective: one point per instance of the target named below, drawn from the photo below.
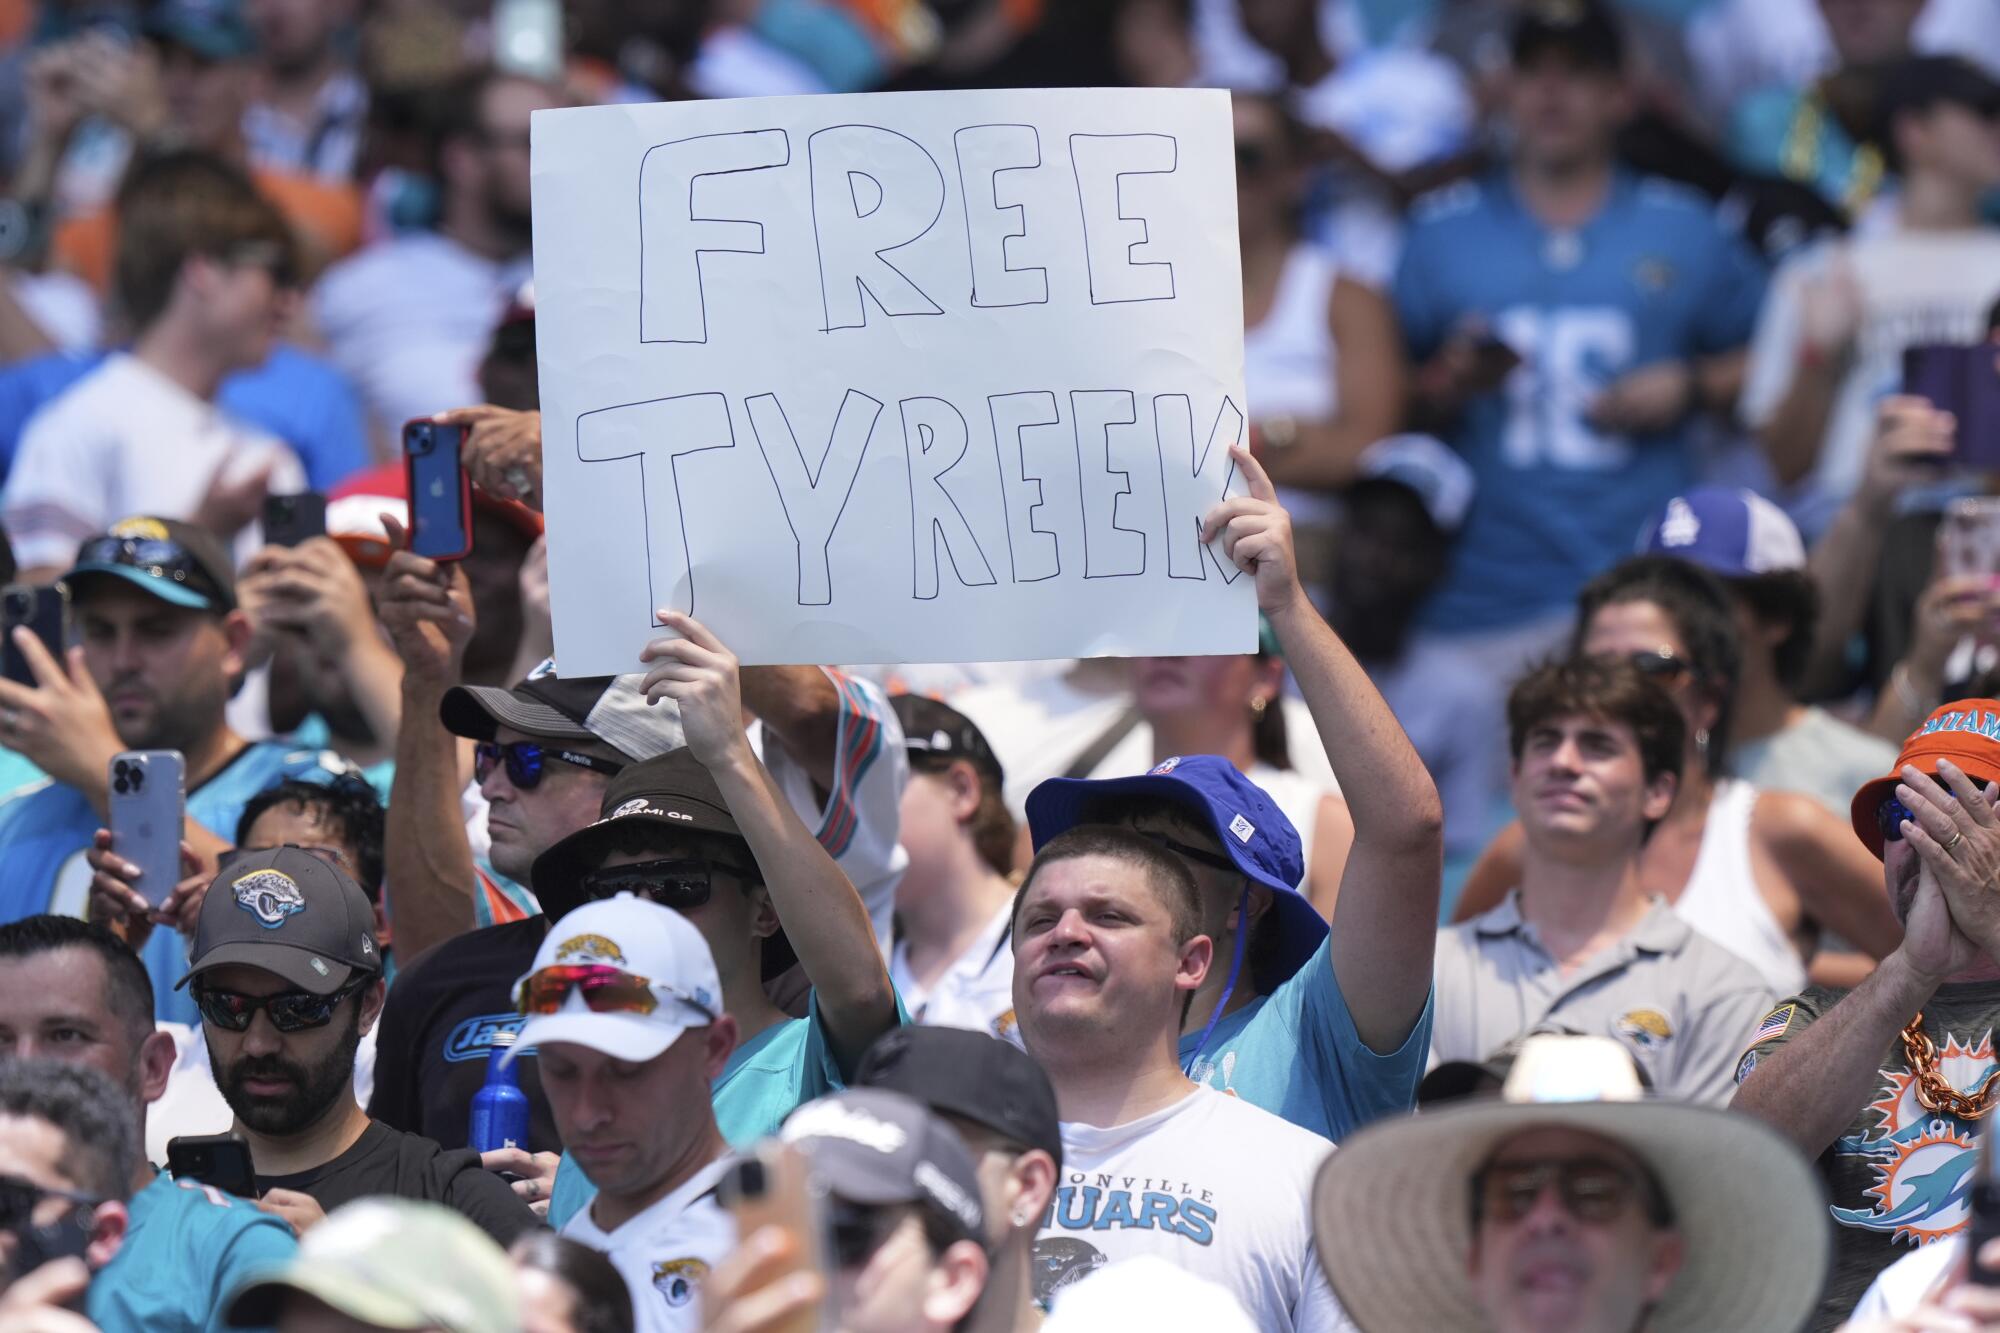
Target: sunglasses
(1590, 1189)
(18, 1198)
(682, 883)
(1661, 665)
(526, 762)
(1889, 817)
(605, 990)
(289, 1011)
(161, 557)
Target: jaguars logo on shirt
(143, 529)
(270, 896)
(1648, 1029)
(589, 949)
(677, 1279)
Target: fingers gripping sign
(698, 673)
(1255, 533)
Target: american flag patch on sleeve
(1775, 1023)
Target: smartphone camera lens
(121, 777)
(421, 441)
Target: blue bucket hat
(1248, 824)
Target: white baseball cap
(641, 939)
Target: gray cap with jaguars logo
(290, 913)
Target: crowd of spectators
(1601, 847)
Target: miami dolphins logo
(1922, 1161)
(676, 1279)
(270, 896)
(589, 949)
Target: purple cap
(1735, 533)
(1244, 819)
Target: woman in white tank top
(1761, 873)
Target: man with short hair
(1579, 943)
(1001, 1104)
(1108, 951)
(68, 1154)
(72, 991)
(1890, 1084)
(312, 104)
(625, 1011)
(287, 975)
(1325, 1029)
(1592, 1209)
(161, 648)
(207, 275)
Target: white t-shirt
(1146, 1293)
(1917, 287)
(1233, 1207)
(976, 991)
(409, 321)
(664, 1253)
(125, 440)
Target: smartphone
(1964, 381)
(771, 1186)
(148, 805)
(1968, 537)
(45, 611)
(528, 38)
(440, 492)
(291, 519)
(221, 1160)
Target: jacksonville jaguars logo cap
(290, 913)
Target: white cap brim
(630, 1037)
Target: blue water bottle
(500, 1108)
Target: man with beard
(161, 645)
(287, 975)
(71, 991)
(1889, 1084)
(409, 319)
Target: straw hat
(1392, 1207)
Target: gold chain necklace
(1933, 1093)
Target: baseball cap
(641, 939)
(1426, 466)
(672, 792)
(1921, 82)
(870, 1146)
(179, 563)
(393, 1263)
(934, 730)
(1735, 533)
(287, 911)
(1582, 29)
(1966, 732)
(1243, 818)
(612, 709)
(956, 1071)
(212, 29)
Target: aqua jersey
(1652, 278)
(1296, 1054)
(188, 1248)
(45, 830)
(779, 1069)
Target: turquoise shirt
(1296, 1054)
(767, 1077)
(188, 1248)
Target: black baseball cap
(956, 1071)
(672, 792)
(177, 562)
(1922, 82)
(937, 731)
(288, 912)
(215, 30)
(873, 1147)
(612, 709)
(1584, 30)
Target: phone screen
(1968, 538)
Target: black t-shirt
(408, 1166)
(436, 1029)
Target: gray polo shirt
(1685, 1007)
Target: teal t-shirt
(767, 1077)
(1296, 1054)
(188, 1249)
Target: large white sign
(891, 377)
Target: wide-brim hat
(1392, 1216)
(1966, 731)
